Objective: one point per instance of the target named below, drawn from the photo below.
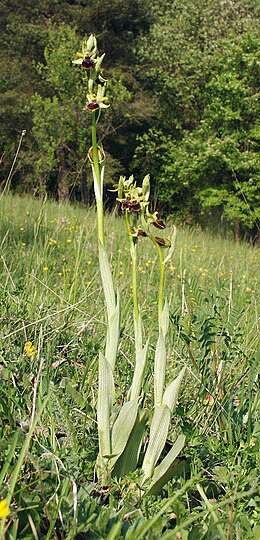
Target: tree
(26, 31)
(205, 137)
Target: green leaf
(114, 532)
(128, 460)
(113, 332)
(107, 281)
(167, 468)
(170, 395)
(164, 319)
(122, 428)
(172, 247)
(158, 435)
(106, 392)
(138, 376)
(159, 369)
(138, 333)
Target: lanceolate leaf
(159, 369)
(129, 458)
(170, 395)
(97, 186)
(138, 376)
(158, 435)
(172, 248)
(106, 393)
(138, 334)
(164, 319)
(122, 428)
(167, 468)
(113, 332)
(107, 280)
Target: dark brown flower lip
(160, 241)
(133, 206)
(140, 232)
(88, 63)
(126, 203)
(92, 106)
(159, 224)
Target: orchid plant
(121, 433)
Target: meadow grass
(51, 296)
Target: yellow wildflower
(29, 349)
(4, 510)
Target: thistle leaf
(170, 395)
(158, 435)
(167, 468)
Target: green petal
(78, 61)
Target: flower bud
(121, 187)
(146, 187)
(91, 44)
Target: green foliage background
(183, 88)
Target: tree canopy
(183, 88)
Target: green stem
(161, 283)
(21, 458)
(134, 269)
(98, 180)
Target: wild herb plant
(121, 432)
(45, 254)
